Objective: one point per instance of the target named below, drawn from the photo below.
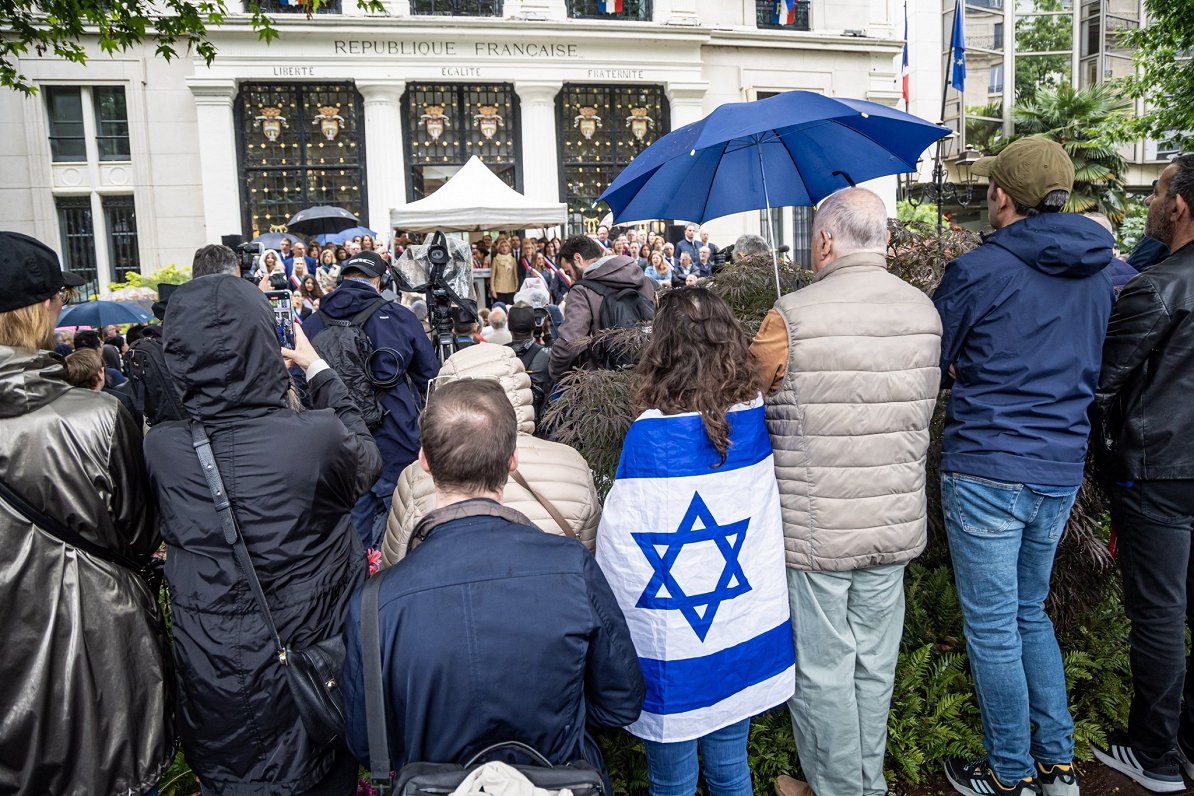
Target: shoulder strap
(62, 532)
(597, 287)
(356, 320)
(375, 702)
(232, 535)
(546, 504)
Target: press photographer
(387, 361)
(441, 269)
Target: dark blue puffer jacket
(1024, 316)
(396, 328)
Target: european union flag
(957, 51)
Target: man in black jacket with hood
(292, 478)
(405, 359)
(1148, 419)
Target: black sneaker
(1163, 776)
(975, 778)
(1057, 780)
(1185, 756)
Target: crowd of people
(354, 496)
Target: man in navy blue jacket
(405, 357)
(1024, 317)
(490, 629)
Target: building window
(111, 123)
(601, 129)
(300, 145)
(772, 14)
(68, 141)
(120, 218)
(78, 241)
(457, 8)
(294, 7)
(636, 10)
(447, 123)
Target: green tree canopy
(1165, 72)
(1084, 122)
(61, 28)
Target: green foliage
(1131, 229)
(1085, 122)
(923, 213)
(61, 28)
(1164, 76)
(179, 780)
(171, 274)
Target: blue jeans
(672, 767)
(370, 512)
(1003, 538)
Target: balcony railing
(634, 10)
(766, 13)
(281, 7)
(457, 8)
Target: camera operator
(215, 259)
(749, 246)
(403, 357)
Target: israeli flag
(695, 555)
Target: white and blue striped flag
(695, 554)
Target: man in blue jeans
(1024, 317)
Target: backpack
(622, 308)
(344, 345)
(154, 392)
(539, 395)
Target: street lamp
(940, 190)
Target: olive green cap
(1029, 169)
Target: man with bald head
(849, 364)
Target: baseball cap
(30, 272)
(367, 262)
(520, 320)
(1029, 169)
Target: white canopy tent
(476, 199)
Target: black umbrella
(321, 221)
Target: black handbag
(313, 673)
(426, 779)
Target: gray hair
(856, 219)
(497, 318)
(750, 245)
(215, 259)
(419, 308)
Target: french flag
(904, 64)
(693, 549)
(785, 12)
(609, 6)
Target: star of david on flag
(692, 546)
(663, 592)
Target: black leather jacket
(1147, 378)
(84, 686)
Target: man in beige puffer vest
(557, 473)
(852, 365)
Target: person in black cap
(88, 690)
(535, 358)
(155, 392)
(403, 359)
(464, 328)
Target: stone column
(540, 158)
(217, 156)
(688, 102)
(385, 161)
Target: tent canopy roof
(476, 199)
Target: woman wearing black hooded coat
(293, 478)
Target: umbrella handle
(844, 176)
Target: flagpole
(938, 168)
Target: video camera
(444, 268)
(724, 256)
(250, 262)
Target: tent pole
(770, 222)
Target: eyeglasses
(67, 294)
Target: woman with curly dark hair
(692, 544)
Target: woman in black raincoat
(292, 478)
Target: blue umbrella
(102, 313)
(273, 240)
(346, 235)
(795, 148)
